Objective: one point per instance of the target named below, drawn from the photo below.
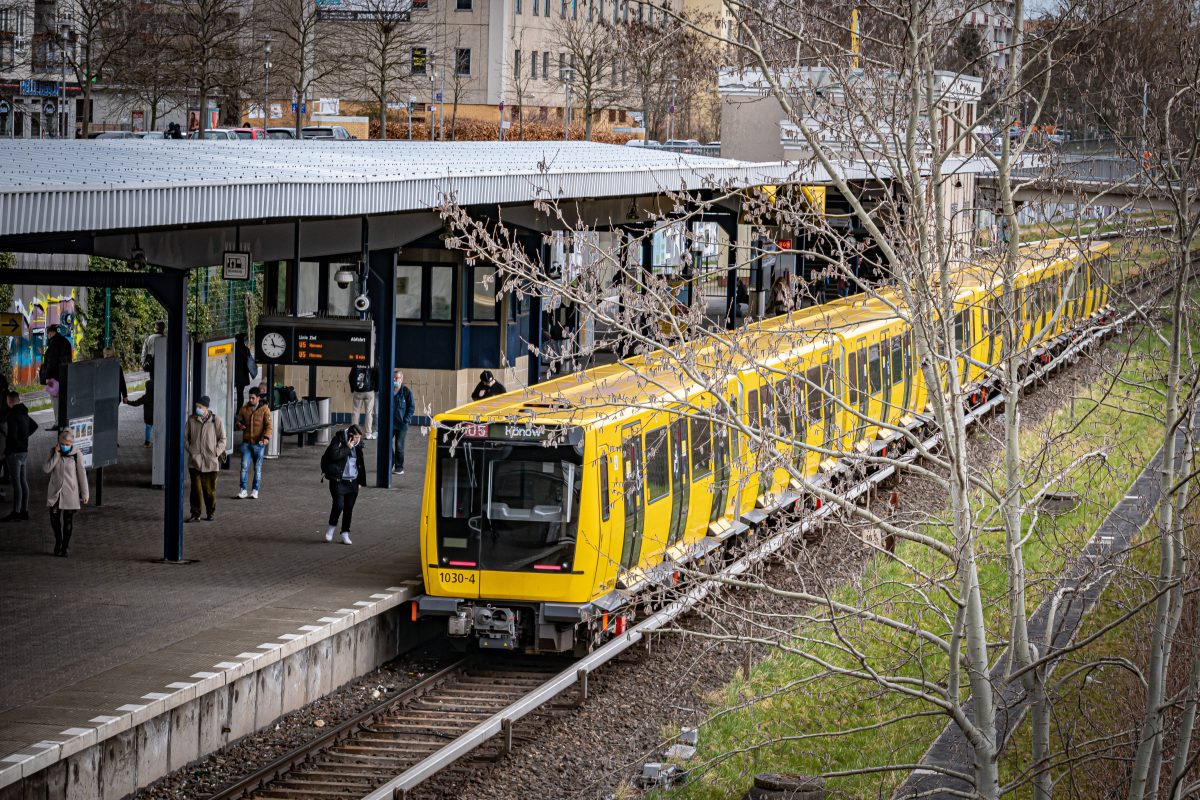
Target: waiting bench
(300, 418)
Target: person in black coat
(16, 454)
(343, 465)
(488, 386)
(146, 401)
(55, 359)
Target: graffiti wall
(38, 312)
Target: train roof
(657, 379)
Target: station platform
(128, 667)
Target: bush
(134, 312)
(474, 130)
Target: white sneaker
(242, 494)
(254, 495)
(372, 436)
(346, 538)
(329, 533)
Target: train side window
(658, 464)
(796, 394)
(959, 331)
(852, 372)
(753, 408)
(702, 464)
(785, 405)
(605, 495)
(816, 404)
(897, 359)
(770, 423)
(832, 380)
(875, 368)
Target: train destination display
(324, 342)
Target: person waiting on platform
(343, 465)
(67, 491)
(160, 330)
(19, 427)
(55, 359)
(363, 385)
(403, 408)
(254, 421)
(204, 442)
(488, 386)
(146, 401)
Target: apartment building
(39, 96)
(995, 20)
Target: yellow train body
(547, 510)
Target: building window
(574, 9)
(536, 6)
(612, 115)
(463, 5)
(625, 10)
(308, 281)
(516, 63)
(545, 8)
(483, 294)
(441, 293)
(546, 63)
(533, 73)
(562, 67)
(418, 60)
(517, 6)
(462, 61)
(563, 12)
(341, 298)
(408, 291)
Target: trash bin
(324, 415)
(273, 444)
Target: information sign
(341, 347)
(10, 324)
(235, 266)
(83, 430)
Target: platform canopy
(51, 188)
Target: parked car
(250, 133)
(215, 134)
(112, 135)
(150, 135)
(682, 143)
(325, 132)
(281, 133)
(642, 143)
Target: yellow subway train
(549, 513)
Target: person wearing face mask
(67, 491)
(402, 414)
(204, 443)
(343, 465)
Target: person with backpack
(16, 455)
(245, 368)
(146, 401)
(57, 356)
(343, 465)
(67, 491)
(363, 385)
(160, 330)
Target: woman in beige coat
(68, 489)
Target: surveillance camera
(362, 303)
(344, 277)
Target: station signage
(314, 342)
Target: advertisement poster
(82, 429)
(138, 121)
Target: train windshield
(508, 507)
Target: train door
(720, 466)
(909, 375)
(635, 496)
(766, 460)
(680, 484)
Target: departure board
(334, 347)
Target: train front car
(508, 556)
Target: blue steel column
(174, 300)
(381, 287)
(532, 245)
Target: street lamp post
(671, 111)
(568, 76)
(62, 86)
(266, 83)
(412, 101)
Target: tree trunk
(587, 116)
(203, 112)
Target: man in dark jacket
(54, 364)
(344, 467)
(488, 386)
(363, 385)
(16, 454)
(146, 401)
(403, 409)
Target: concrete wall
(136, 749)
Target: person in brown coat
(204, 441)
(67, 491)
(254, 421)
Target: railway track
(366, 751)
(387, 751)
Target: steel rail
(289, 761)
(502, 721)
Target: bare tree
(380, 42)
(304, 51)
(146, 71)
(208, 46)
(520, 90)
(590, 49)
(102, 32)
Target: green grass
(787, 696)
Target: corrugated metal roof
(58, 187)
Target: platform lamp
(266, 82)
